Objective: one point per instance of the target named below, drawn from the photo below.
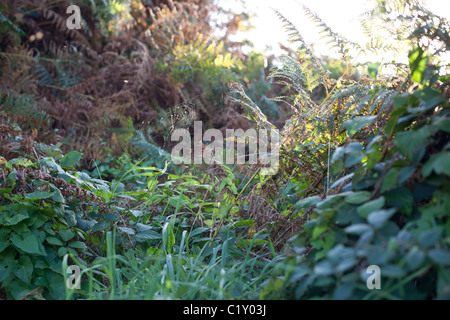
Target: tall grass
(214, 271)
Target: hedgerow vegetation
(87, 178)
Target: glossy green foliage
(392, 211)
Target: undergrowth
(87, 178)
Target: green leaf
(441, 123)
(344, 291)
(66, 234)
(20, 162)
(323, 268)
(409, 141)
(24, 270)
(38, 195)
(254, 242)
(378, 218)
(429, 237)
(357, 197)
(102, 225)
(319, 229)
(168, 237)
(58, 197)
(373, 68)
(307, 202)
(393, 119)
(414, 258)
(392, 271)
(4, 241)
(346, 264)
(199, 230)
(8, 263)
(440, 256)
(15, 219)
(62, 251)
(418, 64)
(77, 245)
(358, 228)
(390, 180)
(242, 223)
(54, 241)
(148, 235)
(12, 178)
(430, 97)
(127, 230)
(142, 227)
(401, 198)
(373, 158)
(443, 284)
(26, 241)
(357, 123)
(50, 163)
(368, 207)
(439, 163)
(405, 173)
(71, 158)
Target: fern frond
(340, 42)
(311, 65)
(251, 109)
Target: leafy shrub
(381, 196)
(42, 211)
(392, 212)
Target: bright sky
(342, 16)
